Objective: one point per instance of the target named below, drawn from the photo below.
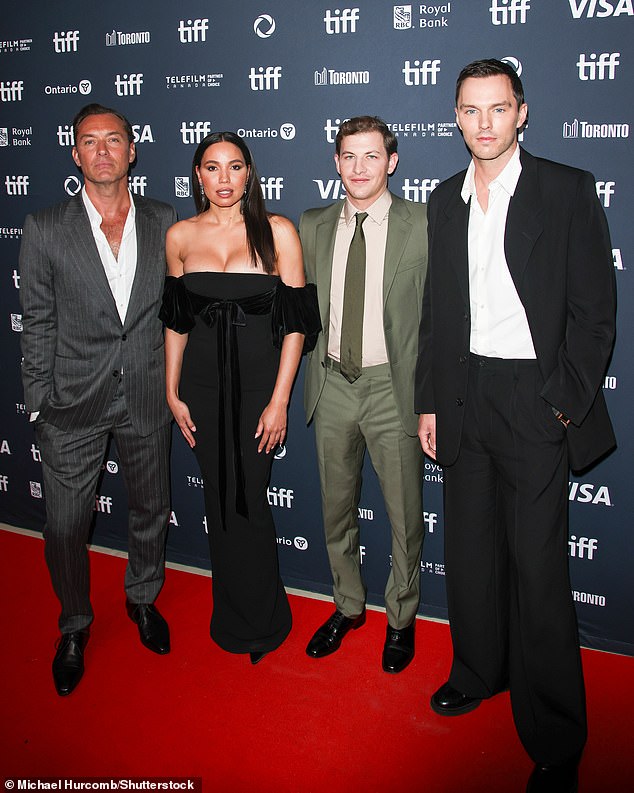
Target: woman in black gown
(237, 315)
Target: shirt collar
(93, 215)
(378, 211)
(507, 179)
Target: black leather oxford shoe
(153, 629)
(398, 649)
(68, 664)
(561, 778)
(328, 638)
(449, 702)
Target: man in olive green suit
(368, 256)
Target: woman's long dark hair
(256, 220)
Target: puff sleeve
(296, 310)
(176, 310)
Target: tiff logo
(17, 185)
(11, 91)
(604, 191)
(419, 189)
(65, 136)
(582, 548)
(137, 184)
(421, 72)
(272, 187)
(509, 12)
(35, 453)
(66, 41)
(341, 21)
(192, 31)
(103, 504)
(279, 498)
(194, 131)
(430, 519)
(332, 127)
(4, 483)
(265, 79)
(602, 69)
(128, 85)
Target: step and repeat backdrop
(285, 75)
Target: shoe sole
(440, 711)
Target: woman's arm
(271, 427)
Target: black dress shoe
(68, 664)
(153, 629)
(449, 702)
(398, 649)
(562, 778)
(328, 638)
(256, 657)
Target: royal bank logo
(66, 41)
(119, 39)
(605, 191)
(128, 84)
(83, 87)
(264, 26)
(598, 67)
(286, 131)
(16, 45)
(16, 323)
(15, 136)
(588, 129)
(402, 17)
(193, 31)
(194, 131)
(272, 187)
(419, 72)
(208, 80)
(341, 21)
(265, 78)
(11, 90)
(16, 185)
(419, 190)
(600, 8)
(72, 185)
(327, 76)
(137, 184)
(35, 489)
(181, 187)
(509, 12)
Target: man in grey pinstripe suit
(92, 271)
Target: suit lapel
(81, 251)
(398, 231)
(148, 243)
(455, 237)
(524, 222)
(325, 234)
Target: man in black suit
(517, 328)
(92, 272)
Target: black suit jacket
(558, 250)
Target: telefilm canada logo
(16, 45)
(201, 80)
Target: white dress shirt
(499, 328)
(120, 271)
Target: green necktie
(353, 299)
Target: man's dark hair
(359, 124)
(489, 67)
(100, 110)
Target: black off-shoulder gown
(236, 323)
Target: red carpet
(289, 725)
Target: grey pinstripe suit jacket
(73, 342)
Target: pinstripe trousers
(72, 464)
